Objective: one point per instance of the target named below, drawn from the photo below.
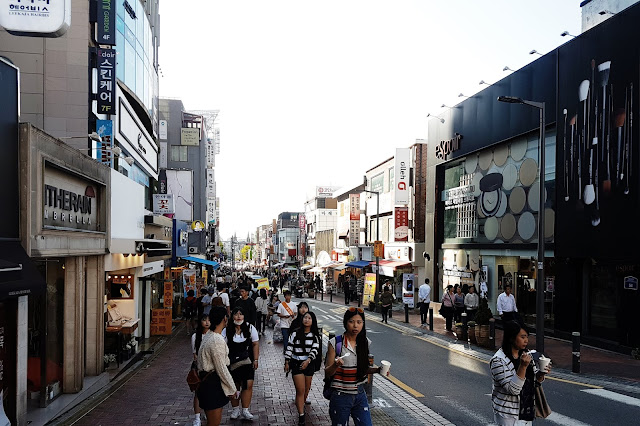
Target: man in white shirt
(287, 311)
(424, 297)
(506, 305)
(206, 301)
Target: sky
(314, 93)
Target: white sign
(211, 184)
(163, 130)
(211, 211)
(408, 287)
(326, 191)
(396, 252)
(39, 18)
(162, 159)
(211, 153)
(163, 204)
(190, 136)
(401, 175)
(152, 268)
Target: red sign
(168, 294)
(160, 322)
(401, 224)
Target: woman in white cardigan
(514, 377)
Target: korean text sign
(106, 81)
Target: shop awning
(338, 266)
(291, 268)
(305, 267)
(18, 274)
(215, 265)
(388, 267)
(358, 264)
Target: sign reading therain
(41, 18)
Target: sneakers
(307, 402)
(301, 420)
(246, 414)
(196, 420)
(235, 413)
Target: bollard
(465, 336)
(391, 310)
(575, 362)
(320, 349)
(331, 295)
(492, 333)
(368, 387)
(406, 313)
(430, 319)
(322, 294)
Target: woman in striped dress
(514, 377)
(302, 350)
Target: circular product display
(549, 222)
(517, 200)
(491, 227)
(479, 211)
(528, 171)
(461, 259)
(526, 225)
(484, 159)
(471, 163)
(508, 226)
(502, 209)
(534, 197)
(500, 155)
(509, 177)
(518, 149)
(476, 183)
(474, 260)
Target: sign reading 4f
(106, 81)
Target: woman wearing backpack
(299, 359)
(347, 366)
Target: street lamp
(540, 260)
(436, 117)
(377, 193)
(483, 82)
(535, 52)
(566, 33)
(506, 68)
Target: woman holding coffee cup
(514, 377)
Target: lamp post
(377, 193)
(540, 260)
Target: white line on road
(564, 420)
(479, 418)
(315, 308)
(614, 396)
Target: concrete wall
(54, 77)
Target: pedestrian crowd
(225, 334)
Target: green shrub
(484, 314)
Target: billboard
(41, 19)
(180, 184)
(326, 191)
(401, 175)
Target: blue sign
(630, 283)
(104, 129)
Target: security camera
(426, 255)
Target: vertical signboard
(160, 322)
(162, 131)
(211, 153)
(408, 282)
(401, 175)
(369, 293)
(354, 219)
(10, 223)
(211, 183)
(401, 228)
(105, 131)
(106, 22)
(106, 81)
(168, 294)
(163, 155)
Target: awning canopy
(305, 267)
(358, 264)
(338, 266)
(18, 274)
(388, 267)
(317, 269)
(291, 268)
(215, 265)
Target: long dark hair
(231, 327)
(362, 343)
(297, 321)
(511, 331)
(314, 328)
(199, 331)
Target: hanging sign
(630, 283)
(106, 22)
(401, 175)
(41, 18)
(104, 128)
(163, 204)
(106, 81)
(401, 216)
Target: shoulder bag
(193, 378)
(326, 390)
(542, 407)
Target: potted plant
(460, 331)
(472, 332)
(483, 317)
(109, 359)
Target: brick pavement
(157, 394)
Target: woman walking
(244, 350)
(514, 378)
(216, 384)
(348, 369)
(203, 333)
(303, 308)
(386, 300)
(262, 310)
(299, 359)
(448, 307)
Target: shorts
(210, 393)
(294, 367)
(243, 374)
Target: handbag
(327, 391)
(193, 380)
(542, 406)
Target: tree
(244, 252)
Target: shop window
(392, 176)
(377, 183)
(120, 287)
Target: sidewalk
(157, 394)
(598, 363)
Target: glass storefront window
(377, 183)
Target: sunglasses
(353, 309)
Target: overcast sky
(315, 93)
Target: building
(288, 243)
(321, 216)
(484, 171)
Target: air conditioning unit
(193, 250)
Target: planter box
(482, 335)
(472, 335)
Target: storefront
(484, 177)
(64, 221)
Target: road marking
(480, 419)
(614, 396)
(405, 387)
(381, 402)
(315, 308)
(564, 420)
